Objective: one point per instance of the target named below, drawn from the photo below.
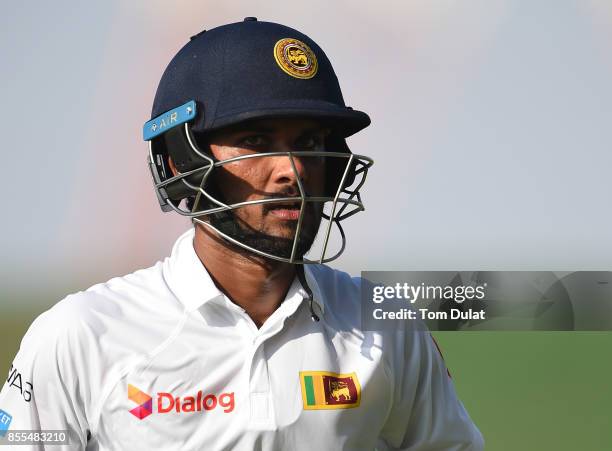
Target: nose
(287, 170)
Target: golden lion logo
(338, 389)
(297, 56)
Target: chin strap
(302, 278)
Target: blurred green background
(534, 390)
(525, 390)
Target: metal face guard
(345, 203)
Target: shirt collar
(190, 282)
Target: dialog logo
(324, 390)
(169, 403)
(166, 402)
(144, 401)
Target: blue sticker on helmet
(5, 422)
(169, 119)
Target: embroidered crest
(295, 58)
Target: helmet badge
(295, 58)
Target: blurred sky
(491, 132)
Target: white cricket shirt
(161, 359)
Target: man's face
(270, 227)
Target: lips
(285, 210)
(290, 205)
(290, 214)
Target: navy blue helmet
(237, 73)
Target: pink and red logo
(166, 402)
(144, 401)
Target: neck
(263, 283)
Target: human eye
(254, 141)
(309, 142)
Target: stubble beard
(230, 224)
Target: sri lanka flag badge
(324, 390)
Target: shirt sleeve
(426, 413)
(41, 391)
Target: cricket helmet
(240, 72)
